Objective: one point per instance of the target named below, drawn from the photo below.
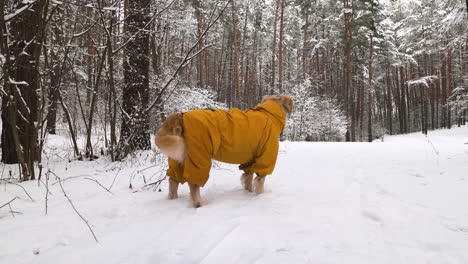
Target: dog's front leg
(173, 187)
(195, 195)
(246, 181)
(258, 184)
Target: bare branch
(8, 203)
(74, 208)
(19, 185)
(96, 181)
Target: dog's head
(286, 103)
(172, 126)
(170, 137)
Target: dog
(250, 138)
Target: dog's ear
(173, 125)
(178, 130)
(287, 103)
(270, 98)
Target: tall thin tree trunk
(243, 72)
(389, 101)
(444, 121)
(280, 50)
(304, 45)
(198, 14)
(237, 79)
(273, 49)
(369, 93)
(449, 87)
(349, 75)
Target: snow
(16, 82)
(425, 80)
(111, 8)
(402, 200)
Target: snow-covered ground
(404, 200)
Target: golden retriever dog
(249, 138)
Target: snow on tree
(186, 99)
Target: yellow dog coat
(249, 138)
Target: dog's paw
(258, 184)
(198, 204)
(259, 189)
(172, 196)
(246, 182)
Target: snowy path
(396, 201)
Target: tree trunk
(403, 100)
(449, 88)
(198, 14)
(237, 80)
(54, 81)
(21, 83)
(305, 46)
(134, 133)
(53, 97)
(369, 93)
(349, 73)
(389, 102)
(273, 49)
(280, 50)
(443, 72)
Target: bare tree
(21, 50)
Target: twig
(96, 181)
(152, 166)
(11, 211)
(71, 178)
(156, 184)
(47, 191)
(8, 202)
(430, 141)
(74, 208)
(115, 177)
(19, 185)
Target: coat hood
(274, 111)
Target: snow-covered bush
(459, 100)
(315, 118)
(183, 100)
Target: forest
(106, 73)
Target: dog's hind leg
(195, 195)
(258, 184)
(173, 187)
(246, 181)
